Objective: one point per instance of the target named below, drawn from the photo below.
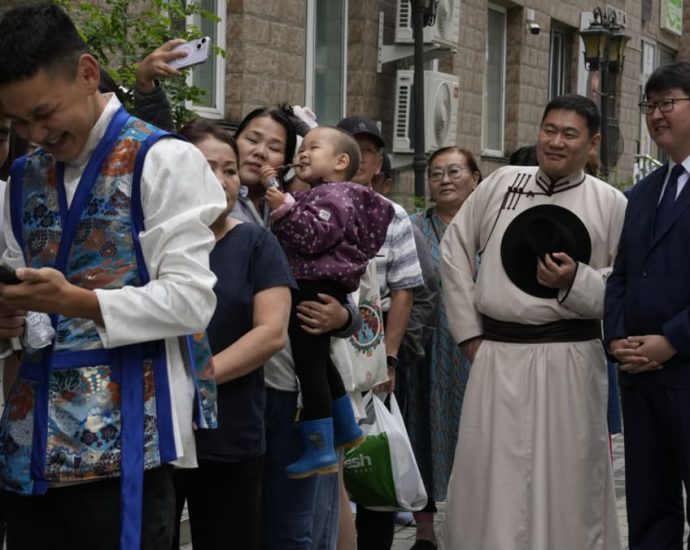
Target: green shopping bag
(368, 473)
(381, 473)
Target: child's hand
(265, 173)
(274, 198)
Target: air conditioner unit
(404, 34)
(441, 96)
(445, 31)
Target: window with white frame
(493, 113)
(326, 60)
(560, 51)
(210, 76)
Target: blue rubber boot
(319, 454)
(346, 431)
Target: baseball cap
(357, 125)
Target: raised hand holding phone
(156, 65)
(197, 52)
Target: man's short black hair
(35, 37)
(582, 105)
(675, 75)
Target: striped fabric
(396, 263)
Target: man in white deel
(524, 266)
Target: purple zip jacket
(330, 232)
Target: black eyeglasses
(665, 105)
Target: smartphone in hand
(197, 52)
(7, 276)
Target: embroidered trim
(551, 188)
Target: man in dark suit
(647, 322)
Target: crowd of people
(196, 283)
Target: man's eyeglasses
(665, 105)
(454, 172)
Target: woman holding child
(329, 232)
(265, 137)
(297, 513)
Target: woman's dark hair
(675, 75)
(524, 156)
(301, 127)
(581, 105)
(279, 116)
(35, 37)
(469, 157)
(199, 129)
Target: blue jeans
(298, 514)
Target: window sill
(494, 156)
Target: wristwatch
(391, 361)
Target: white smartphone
(197, 52)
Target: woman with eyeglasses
(433, 423)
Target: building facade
(491, 67)
(501, 60)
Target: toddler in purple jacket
(329, 233)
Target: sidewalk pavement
(405, 534)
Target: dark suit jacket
(649, 289)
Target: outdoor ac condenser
(441, 96)
(445, 31)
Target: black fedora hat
(541, 230)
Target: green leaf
(120, 33)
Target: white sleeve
(12, 255)
(13, 258)
(180, 198)
(586, 295)
(459, 247)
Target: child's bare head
(328, 154)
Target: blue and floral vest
(80, 412)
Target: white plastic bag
(410, 493)
(361, 359)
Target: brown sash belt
(570, 330)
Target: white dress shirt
(682, 179)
